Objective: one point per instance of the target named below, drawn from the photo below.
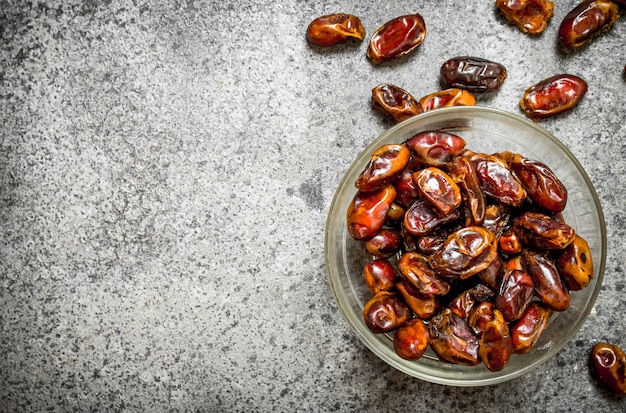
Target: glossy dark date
(472, 73)
(553, 95)
(394, 102)
(334, 29)
(396, 38)
(587, 20)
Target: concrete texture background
(165, 173)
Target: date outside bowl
(485, 130)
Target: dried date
(549, 287)
(394, 102)
(334, 29)
(385, 165)
(385, 312)
(530, 16)
(435, 148)
(587, 20)
(416, 269)
(423, 306)
(553, 95)
(367, 212)
(380, 275)
(575, 264)
(526, 331)
(420, 219)
(608, 363)
(496, 346)
(447, 98)
(438, 189)
(453, 340)
(516, 292)
(544, 232)
(411, 340)
(474, 74)
(397, 37)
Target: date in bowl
(485, 130)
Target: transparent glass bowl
(485, 130)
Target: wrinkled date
(530, 16)
(397, 37)
(447, 98)
(587, 20)
(334, 29)
(608, 363)
(394, 102)
(470, 252)
(553, 95)
(472, 73)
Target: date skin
(421, 219)
(516, 291)
(497, 180)
(397, 37)
(394, 102)
(553, 95)
(367, 212)
(423, 306)
(384, 243)
(608, 363)
(334, 29)
(385, 165)
(530, 16)
(549, 287)
(587, 20)
(447, 98)
(474, 74)
(542, 231)
(462, 172)
(416, 269)
(575, 264)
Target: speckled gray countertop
(166, 169)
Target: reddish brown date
(394, 102)
(575, 264)
(509, 243)
(530, 16)
(397, 37)
(334, 29)
(462, 172)
(491, 276)
(384, 166)
(367, 211)
(497, 218)
(553, 95)
(380, 275)
(549, 287)
(438, 189)
(497, 180)
(411, 340)
(474, 74)
(480, 315)
(435, 148)
(588, 19)
(541, 184)
(420, 219)
(526, 331)
(405, 188)
(385, 312)
(516, 291)
(453, 340)
(416, 269)
(608, 363)
(463, 304)
(384, 243)
(447, 98)
(543, 232)
(423, 306)
(465, 253)
(496, 345)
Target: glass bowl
(485, 130)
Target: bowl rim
(369, 340)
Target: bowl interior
(485, 130)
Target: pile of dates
(471, 254)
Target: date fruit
(465, 253)
(435, 148)
(421, 219)
(543, 232)
(384, 243)
(549, 287)
(516, 292)
(462, 172)
(587, 20)
(526, 331)
(453, 340)
(385, 312)
(530, 16)
(411, 340)
(416, 269)
(396, 38)
(474, 74)
(423, 306)
(367, 212)
(497, 180)
(333, 29)
(438, 189)
(608, 363)
(394, 102)
(447, 98)
(380, 275)
(384, 166)
(576, 265)
(496, 346)
(553, 95)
